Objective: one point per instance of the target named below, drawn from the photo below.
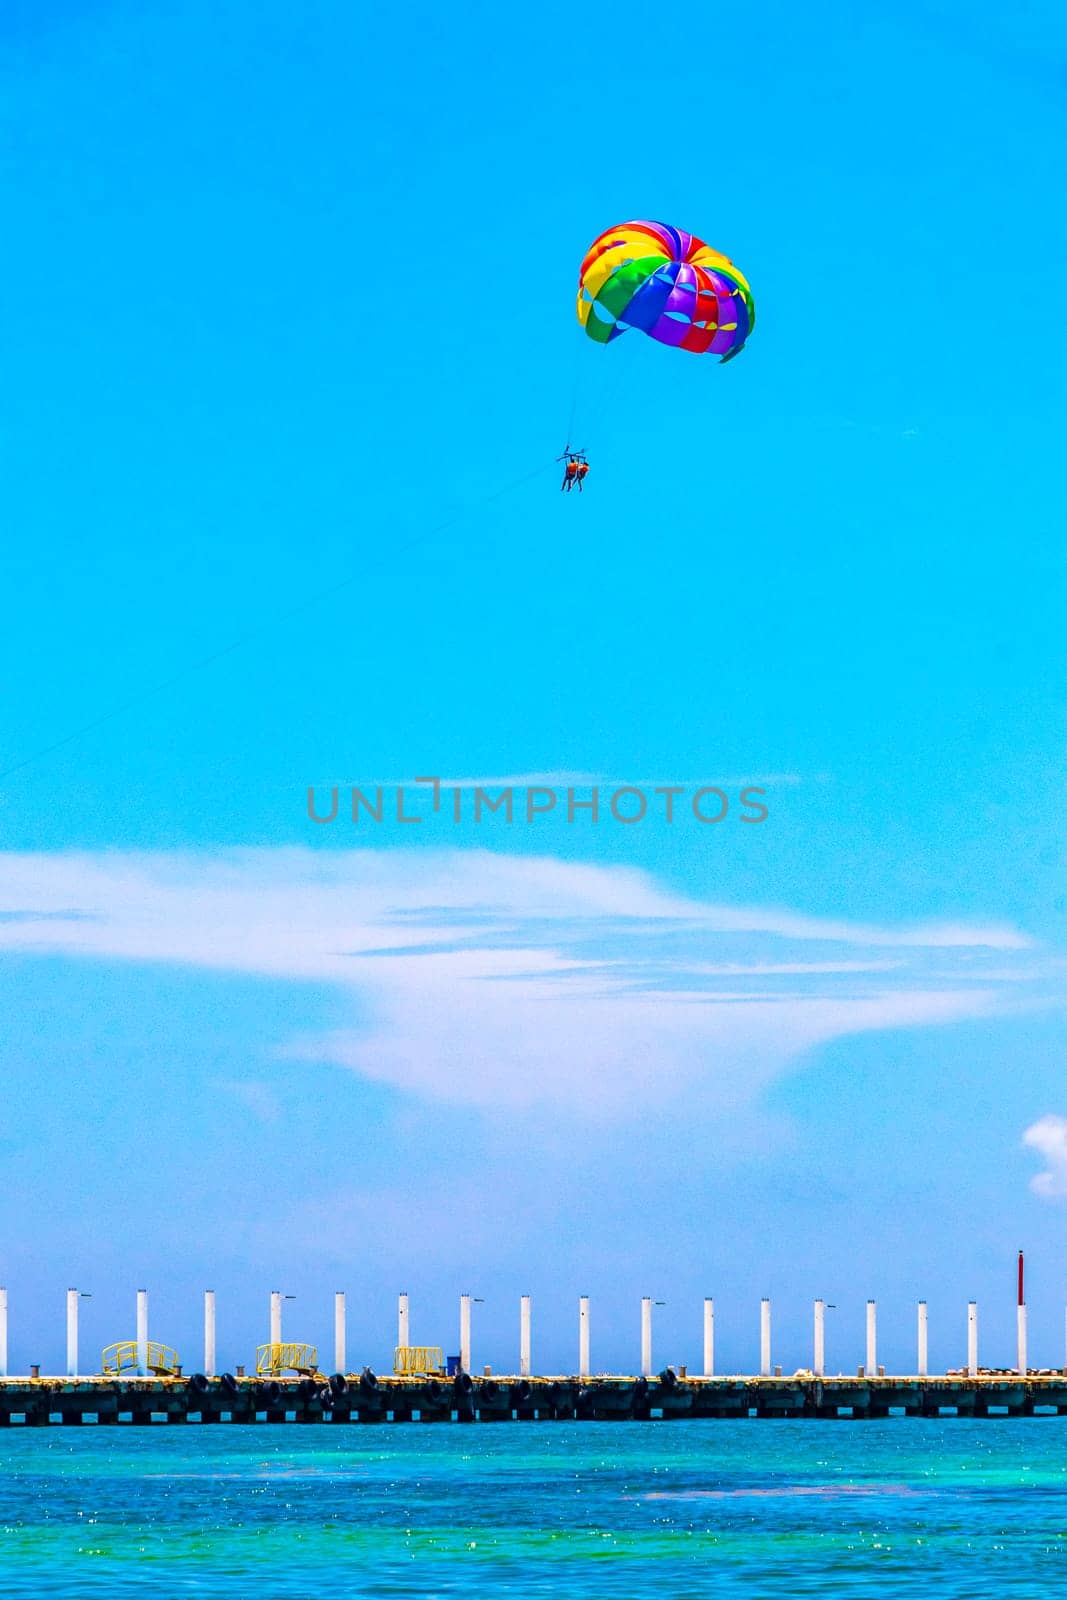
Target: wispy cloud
(492, 979)
(258, 1098)
(893, 430)
(1048, 1136)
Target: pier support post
(464, 1333)
(871, 1364)
(403, 1321)
(340, 1339)
(765, 1338)
(1020, 1340)
(818, 1365)
(275, 1316)
(3, 1333)
(922, 1364)
(646, 1336)
(972, 1339)
(709, 1338)
(583, 1336)
(72, 1333)
(209, 1333)
(524, 1336)
(142, 1333)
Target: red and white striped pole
(1020, 1325)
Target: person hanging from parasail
(575, 470)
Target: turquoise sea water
(945, 1508)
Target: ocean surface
(677, 1509)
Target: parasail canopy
(668, 284)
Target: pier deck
(364, 1398)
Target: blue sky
(289, 313)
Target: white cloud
(511, 980)
(1048, 1136)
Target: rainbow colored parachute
(668, 284)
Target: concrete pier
(366, 1398)
(429, 1389)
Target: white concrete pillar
(765, 1338)
(142, 1333)
(3, 1333)
(922, 1364)
(583, 1336)
(709, 1338)
(819, 1359)
(72, 1333)
(275, 1316)
(464, 1333)
(340, 1337)
(646, 1337)
(209, 1333)
(871, 1362)
(403, 1321)
(1020, 1340)
(972, 1339)
(524, 1336)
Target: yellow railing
(277, 1358)
(162, 1361)
(412, 1358)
